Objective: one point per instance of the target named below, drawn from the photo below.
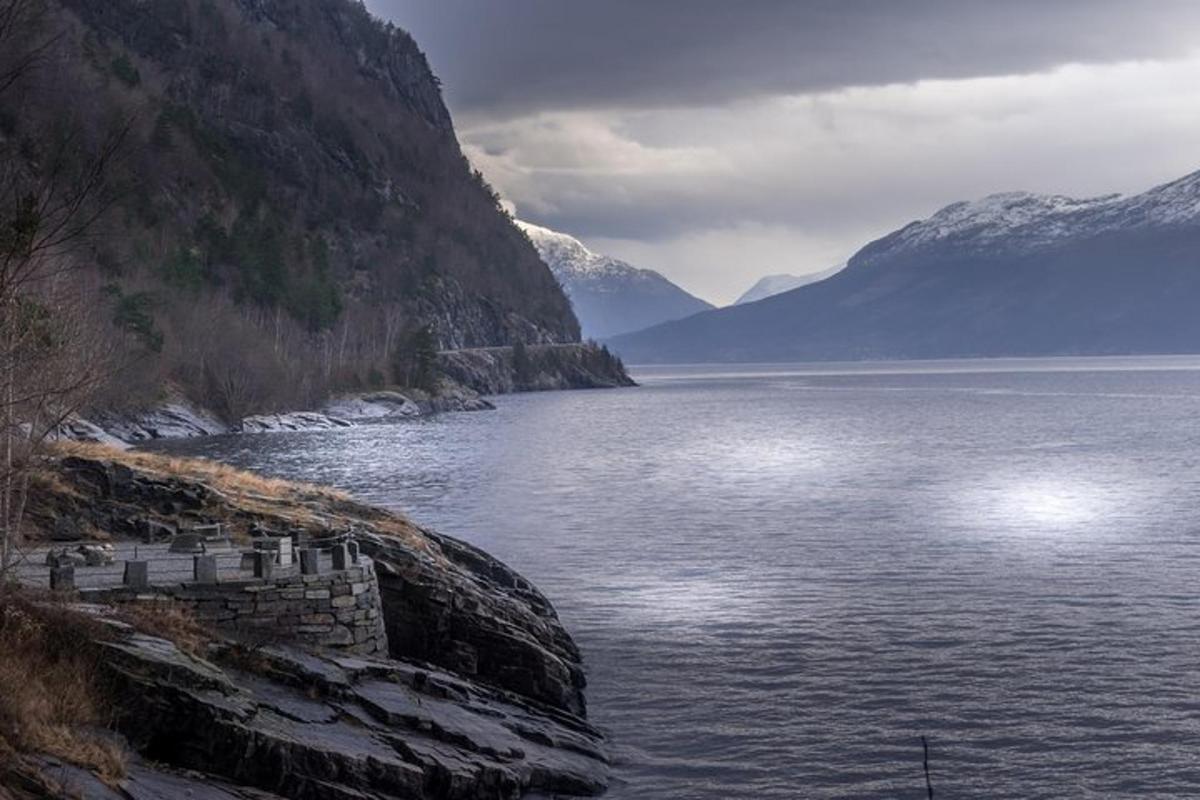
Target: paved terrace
(165, 567)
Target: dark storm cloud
(719, 140)
(516, 56)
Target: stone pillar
(204, 569)
(137, 574)
(341, 557)
(264, 564)
(285, 551)
(62, 579)
(352, 546)
(310, 561)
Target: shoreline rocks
(534, 368)
(480, 695)
(294, 421)
(467, 376)
(318, 725)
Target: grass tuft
(222, 477)
(246, 495)
(51, 699)
(167, 619)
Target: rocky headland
(534, 368)
(470, 688)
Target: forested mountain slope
(288, 205)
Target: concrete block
(264, 564)
(316, 594)
(62, 579)
(310, 562)
(204, 569)
(137, 574)
(286, 551)
(189, 542)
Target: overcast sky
(718, 141)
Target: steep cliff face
(290, 198)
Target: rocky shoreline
(466, 377)
(480, 693)
(535, 368)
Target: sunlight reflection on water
(781, 577)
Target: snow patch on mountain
(609, 296)
(771, 285)
(1024, 221)
(568, 257)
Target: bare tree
(51, 355)
(22, 47)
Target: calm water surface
(781, 577)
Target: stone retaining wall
(340, 610)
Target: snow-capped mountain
(1010, 274)
(1026, 222)
(771, 285)
(610, 296)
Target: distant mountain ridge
(1010, 274)
(610, 296)
(771, 285)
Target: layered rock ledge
(312, 725)
(535, 368)
(481, 693)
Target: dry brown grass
(168, 620)
(222, 477)
(303, 505)
(51, 699)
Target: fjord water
(781, 577)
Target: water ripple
(782, 578)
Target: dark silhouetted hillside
(292, 205)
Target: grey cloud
(721, 139)
(838, 161)
(517, 56)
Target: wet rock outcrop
(479, 619)
(481, 697)
(533, 368)
(305, 725)
(445, 602)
